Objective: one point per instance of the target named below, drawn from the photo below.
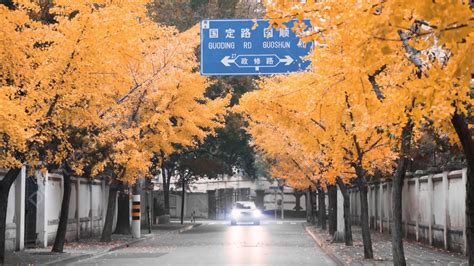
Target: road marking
(212, 223)
(279, 222)
(293, 223)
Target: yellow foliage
(376, 64)
(102, 79)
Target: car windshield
(244, 205)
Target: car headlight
(235, 214)
(257, 213)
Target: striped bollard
(136, 216)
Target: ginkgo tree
(64, 85)
(417, 58)
(335, 127)
(22, 101)
(289, 160)
(15, 122)
(167, 114)
(101, 75)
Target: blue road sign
(234, 47)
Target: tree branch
(413, 54)
(375, 85)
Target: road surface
(218, 243)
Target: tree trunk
(332, 198)
(123, 214)
(317, 207)
(64, 214)
(322, 208)
(3, 221)
(459, 122)
(5, 186)
(148, 211)
(183, 194)
(308, 203)
(109, 216)
(347, 212)
(311, 207)
(397, 188)
(364, 221)
(166, 188)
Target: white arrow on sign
(227, 61)
(287, 60)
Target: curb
(90, 256)
(324, 247)
(188, 227)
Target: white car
(245, 211)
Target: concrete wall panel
(445, 204)
(438, 202)
(50, 204)
(456, 203)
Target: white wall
(288, 203)
(197, 202)
(236, 181)
(91, 212)
(433, 208)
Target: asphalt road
(218, 243)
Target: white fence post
(104, 203)
(430, 209)
(405, 209)
(340, 212)
(20, 209)
(417, 214)
(91, 212)
(464, 233)
(390, 206)
(78, 206)
(381, 202)
(42, 208)
(446, 211)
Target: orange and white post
(136, 216)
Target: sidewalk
(175, 226)
(73, 251)
(415, 253)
